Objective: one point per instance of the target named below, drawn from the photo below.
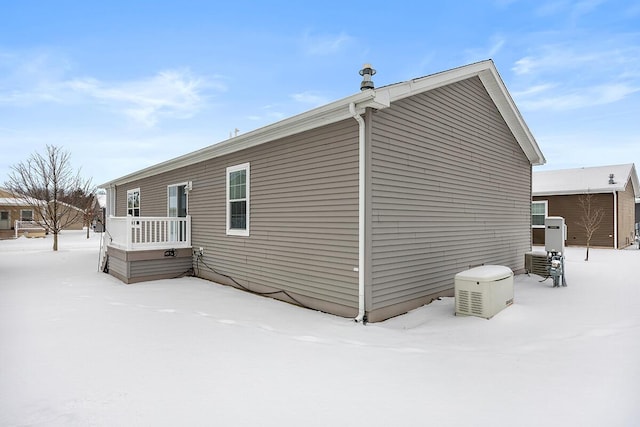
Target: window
(26, 215)
(133, 202)
(238, 200)
(538, 213)
(177, 202)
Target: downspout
(615, 220)
(361, 208)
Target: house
(18, 210)
(365, 207)
(72, 216)
(26, 215)
(613, 190)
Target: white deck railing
(27, 226)
(136, 233)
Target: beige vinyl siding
(450, 190)
(303, 216)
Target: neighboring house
(613, 189)
(73, 217)
(14, 209)
(365, 207)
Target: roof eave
(507, 107)
(576, 192)
(339, 110)
(327, 114)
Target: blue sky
(126, 84)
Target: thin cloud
(34, 78)
(585, 97)
(573, 10)
(170, 93)
(557, 57)
(310, 97)
(562, 77)
(584, 7)
(326, 44)
(271, 113)
(534, 90)
(490, 51)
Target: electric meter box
(555, 233)
(483, 291)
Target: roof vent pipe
(366, 74)
(611, 181)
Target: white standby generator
(483, 291)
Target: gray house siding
(139, 266)
(153, 191)
(450, 189)
(303, 217)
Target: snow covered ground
(78, 347)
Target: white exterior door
(5, 220)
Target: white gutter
(615, 220)
(361, 208)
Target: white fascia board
(592, 190)
(504, 103)
(423, 84)
(321, 116)
(575, 192)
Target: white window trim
(235, 231)
(187, 186)
(133, 190)
(546, 211)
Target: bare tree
(590, 219)
(85, 201)
(52, 189)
